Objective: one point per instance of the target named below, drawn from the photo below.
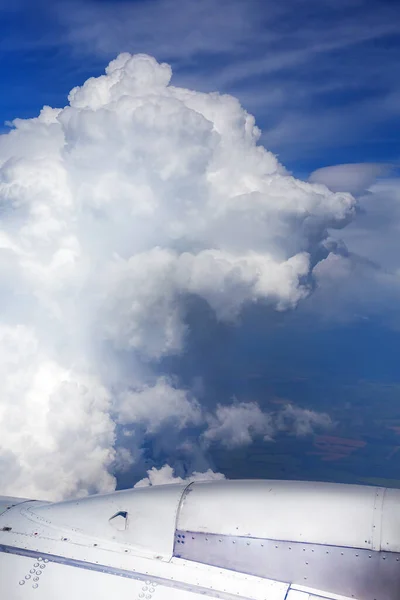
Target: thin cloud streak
(299, 54)
(289, 62)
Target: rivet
(36, 565)
(27, 576)
(147, 582)
(35, 585)
(46, 560)
(151, 590)
(145, 588)
(43, 566)
(38, 572)
(22, 582)
(40, 559)
(148, 597)
(36, 579)
(32, 571)
(141, 595)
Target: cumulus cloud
(360, 279)
(56, 429)
(115, 209)
(154, 406)
(301, 421)
(378, 220)
(240, 423)
(165, 475)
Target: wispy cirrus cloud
(318, 76)
(312, 72)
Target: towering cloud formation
(113, 211)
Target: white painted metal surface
(150, 521)
(390, 521)
(80, 565)
(122, 544)
(63, 582)
(320, 513)
(317, 594)
(296, 595)
(302, 593)
(7, 502)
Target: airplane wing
(253, 540)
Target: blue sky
(320, 77)
(322, 80)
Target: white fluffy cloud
(361, 280)
(240, 423)
(57, 435)
(165, 475)
(301, 421)
(154, 406)
(237, 424)
(113, 210)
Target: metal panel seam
(182, 498)
(275, 540)
(377, 515)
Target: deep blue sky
(322, 79)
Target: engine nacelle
(294, 540)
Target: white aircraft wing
(256, 540)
